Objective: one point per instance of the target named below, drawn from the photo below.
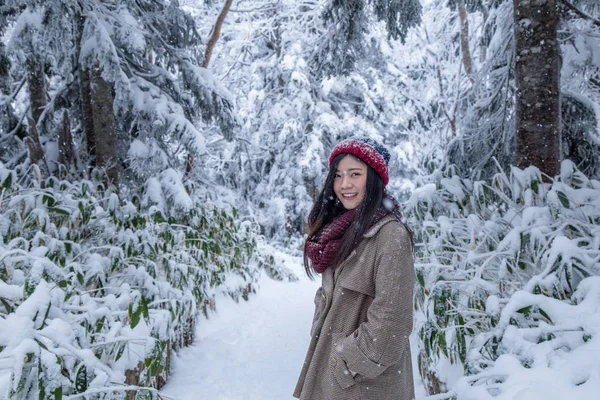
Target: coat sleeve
(318, 310)
(382, 340)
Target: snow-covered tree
(342, 42)
(291, 116)
(580, 84)
(8, 120)
(131, 74)
(119, 83)
(486, 120)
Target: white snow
(251, 350)
(248, 350)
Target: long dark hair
(328, 207)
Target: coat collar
(375, 228)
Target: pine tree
(346, 23)
(129, 71)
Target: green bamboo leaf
(45, 315)
(58, 393)
(9, 309)
(134, 316)
(524, 310)
(49, 200)
(60, 211)
(535, 186)
(41, 387)
(564, 200)
(442, 343)
(144, 307)
(120, 351)
(41, 344)
(158, 217)
(421, 279)
(545, 315)
(155, 368)
(81, 383)
(7, 182)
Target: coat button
(334, 361)
(324, 297)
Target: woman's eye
(356, 174)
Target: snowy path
(251, 350)
(248, 351)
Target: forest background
(150, 148)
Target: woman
(359, 345)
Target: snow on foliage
(148, 52)
(508, 283)
(291, 116)
(94, 287)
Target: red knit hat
(368, 150)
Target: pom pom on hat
(370, 151)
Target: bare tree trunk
(104, 126)
(66, 153)
(190, 159)
(485, 39)
(451, 118)
(6, 114)
(132, 378)
(37, 100)
(85, 89)
(189, 164)
(86, 99)
(37, 88)
(464, 40)
(216, 32)
(537, 70)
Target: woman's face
(350, 182)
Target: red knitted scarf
(322, 249)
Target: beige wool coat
(363, 318)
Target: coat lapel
(331, 275)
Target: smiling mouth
(349, 196)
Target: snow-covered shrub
(96, 290)
(500, 263)
(541, 348)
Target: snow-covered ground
(249, 350)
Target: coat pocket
(340, 371)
